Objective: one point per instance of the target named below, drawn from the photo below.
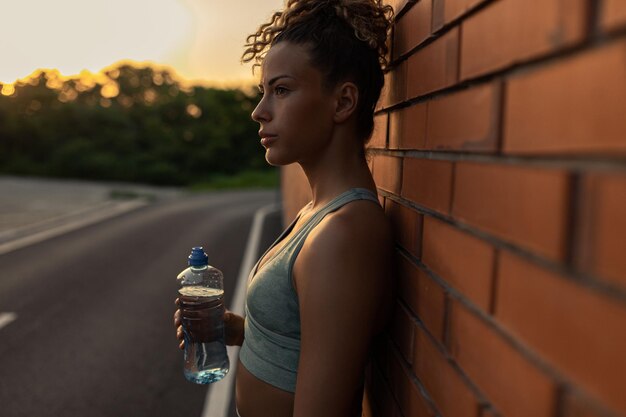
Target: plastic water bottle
(202, 311)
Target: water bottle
(202, 311)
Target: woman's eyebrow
(273, 80)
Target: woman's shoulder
(350, 249)
(359, 227)
(358, 218)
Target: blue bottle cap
(198, 257)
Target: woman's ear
(347, 95)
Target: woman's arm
(344, 286)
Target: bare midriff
(256, 398)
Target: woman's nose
(261, 112)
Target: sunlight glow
(109, 90)
(203, 40)
(71, 36)
(194, 111)
(7, 90)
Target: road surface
(86, 316)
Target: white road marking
(6, 318)
(73, 225)
(217, 401)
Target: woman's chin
(276, 160)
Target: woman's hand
(179, 327)
(233, 328)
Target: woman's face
(295, 113)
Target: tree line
(136, 124)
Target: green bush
(154, 131)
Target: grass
(246, 179)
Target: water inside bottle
(197, 293)
(198, 366)
(202, 311)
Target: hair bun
(370, 20)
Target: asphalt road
(93, 334)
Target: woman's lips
(268, 140)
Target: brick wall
(500, 156)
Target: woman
(322, 291)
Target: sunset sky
(202, 40)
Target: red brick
(412, 28)
(384, 402)
(399, 5)
(387, 172)
(524, 205)
(389, 407)
(467, 121)
(573, 106)
(407, 127)
(379, 134)
(444, 11)
(462, 260)
(425, 297)
(428, 183)
(509, 380)
(489, 412)
(613, 14)
(511, 31)
(431, 306)
(402, 329)
(394, 90)
(578, 330)
(408, 283)
(574, 405)
(384, 355)
(434, 67)
(407, 227)
(409, 398)
(451, 395)
(603, 227)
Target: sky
(202, 40)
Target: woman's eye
(279, 91)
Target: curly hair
(346, 40)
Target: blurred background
(125, 139)
(146, 91)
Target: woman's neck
(328, 178)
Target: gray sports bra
(271, 346)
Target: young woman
(322, 291)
